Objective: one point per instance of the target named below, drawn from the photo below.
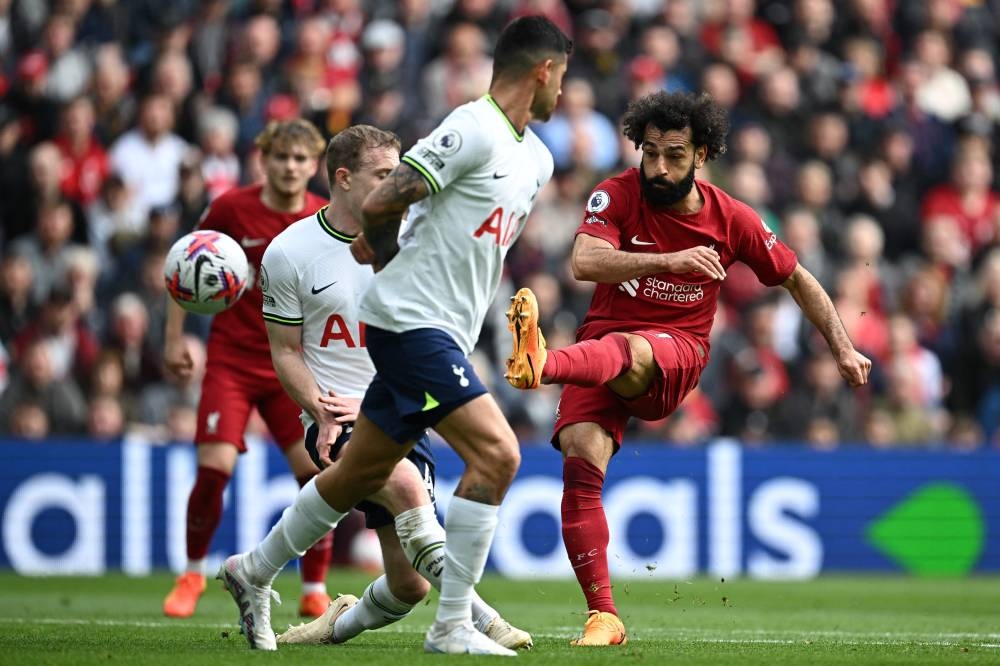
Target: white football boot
(462, 639)
(507, 635)
(253, 601)
(320, 630)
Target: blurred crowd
(863, 132)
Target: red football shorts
(229, 393)
(681, 362)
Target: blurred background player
(311, 286)
(239, 375)
(658, 243)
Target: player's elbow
(581, 268)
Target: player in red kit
(239, 375)
(657, 242)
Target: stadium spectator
(148, 157)
(579, 137)
(460, 74)
(84, 160)
(37, 402)
(823, 411)
(68, 66)
(105, 419)
(48, 246)
(128, 328)
(114, 104)
(968, 198)
(160, 402)
(220, 167)
(18, 306)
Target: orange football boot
(601, 629)
(313, 604)
(524, 367)
(183, 598)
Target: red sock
(588, 363)
(204, 510)
(316, 562)
(585, 532)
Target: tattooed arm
(384, 207)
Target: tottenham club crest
(447, 143)
(265, 284)
(599, 200)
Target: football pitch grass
(832, 620)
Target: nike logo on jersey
(253, 242)
(316, 291)
(636, 241)
(497, 174)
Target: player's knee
(590, 443)
(372, 478)
(499, 461)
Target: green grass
(869, 620)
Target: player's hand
(326, 437)
(854, 367)
(177, 359)
(344, 410)
(361, 250)
(699, 259)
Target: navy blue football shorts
(375, 514)
(421, 376)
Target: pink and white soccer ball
(206, 272)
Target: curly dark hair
(675, 111)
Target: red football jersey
(676, 304)
(238, 334)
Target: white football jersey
(309, 279)
(483, 177)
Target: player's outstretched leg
(254, 602)
(586, 363)
(524, 367)
(422, 539)
(321, 630)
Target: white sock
(313, 588)
(422, 538)
(377, 607)
(196, 566)
(300, 526)
(469, 528)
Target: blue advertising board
(84, 508)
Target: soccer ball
(205, 272)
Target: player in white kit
(311, 286)
(472, 181)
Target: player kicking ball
(658, 242)
(311, 286)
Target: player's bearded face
(660, 191)
(544, 103)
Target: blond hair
(287, 132)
